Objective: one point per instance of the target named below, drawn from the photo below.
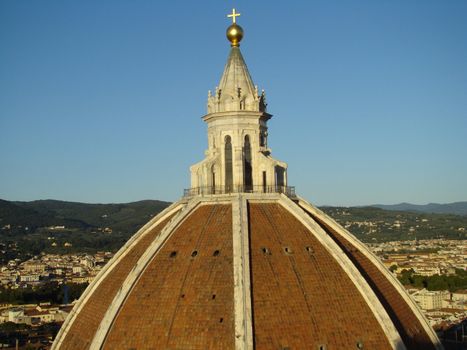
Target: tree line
(452, 283)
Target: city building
(241, 261)
(429, 300)
(34, 314)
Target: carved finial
(209, 93)
(262, 101)
(234, 31)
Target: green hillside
(20, 217)
(120, 217)
(29, 228)
(372, 224)
(457, 208)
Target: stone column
(238, 167)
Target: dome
(242, 262)
(244, 270)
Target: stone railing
(201, 191)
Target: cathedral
(241, 261)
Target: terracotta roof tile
(301, 297)
(406, 322)
(87, 321)
(183, 301)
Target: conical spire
(236, 91)
(236, 73)
(236, 82)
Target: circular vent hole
(288, 250)
(195, 252)
(359, 345)
(213, 296)
(265, 251)
(221, 320)
(216, 253)
(173, 254)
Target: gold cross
(233, 15)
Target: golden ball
(235, 34)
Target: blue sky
(101, 101)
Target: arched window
(280, 178)
(228, 164)
(247, 166)
(213, 180)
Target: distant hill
(120, 216)
(457, 208)
(13, 214)
(29, 228)
(44, 213)
(371, 224)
